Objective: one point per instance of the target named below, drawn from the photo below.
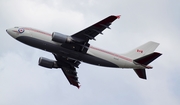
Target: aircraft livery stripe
(90, 46)
(119, 56)
(45, 33)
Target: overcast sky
(23, 82)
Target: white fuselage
(119, 60)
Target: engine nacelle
(61, 38)
(44, 62)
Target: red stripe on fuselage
(45, 33)
(119, 56)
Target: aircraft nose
(8, 31)
(11, 32)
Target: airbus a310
(70, 50)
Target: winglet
(118, 16)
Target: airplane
(70, 50)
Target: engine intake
(61, 38)
(44, 62)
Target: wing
(82, 38)
(71, 75)
(92, 31)
(80, 44)
(68, 67)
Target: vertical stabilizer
(142, 50)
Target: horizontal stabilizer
(141, 73)
(145, 60)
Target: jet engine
(44, 62)
(61, 38)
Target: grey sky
(23, 82)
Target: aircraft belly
(41, 44)
(92, 57)
(118, 60)
(55, 48)
(106, 57)
(95, 58)
(97, 61)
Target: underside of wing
(68, 67)
(71, 75)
